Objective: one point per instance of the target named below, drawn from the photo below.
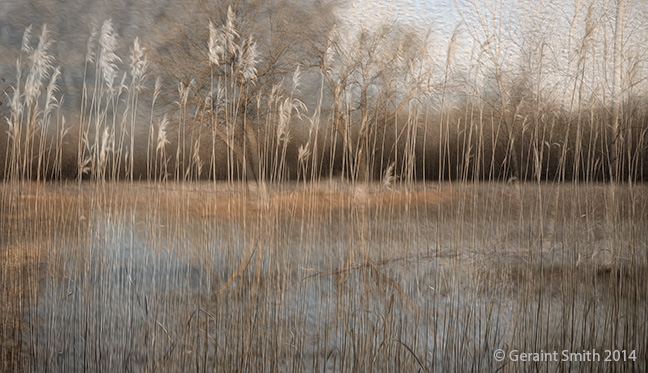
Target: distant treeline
(467, 142)
(281, 90)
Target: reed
(347, 217)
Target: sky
(69, 20)
(408, 11)
(440, 13)
(69, 23)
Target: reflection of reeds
(418, 277)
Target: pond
(436, 278)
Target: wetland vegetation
(274, 187)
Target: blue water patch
(124, 287)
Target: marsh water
(439, 277)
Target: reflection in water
(293, 292)
(106, 306)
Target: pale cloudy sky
(69, 23)
(441, 14)
(69, 20)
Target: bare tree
(230, 57)
(366, 70)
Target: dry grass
(325, 276)
(295, 263)
(224, 201)
(20, 277)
